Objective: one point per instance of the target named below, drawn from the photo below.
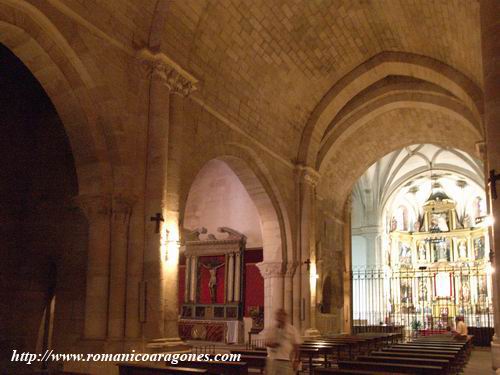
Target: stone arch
(360, 118)
(373, 70)
(258, 182)
(45, 52)
(384, 133)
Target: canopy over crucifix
(207, 251)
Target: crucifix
(158, 218)
(493, 183)
(307, 262)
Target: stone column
(180, 87)
(272, 273)
(347, 271)
(155, 180)
(160, 263)
(120, 216)
(97, 211)
(288, 291)
(308, 179)
(490, 30)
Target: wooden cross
(493, 183)
(158, 218)
(307, 262)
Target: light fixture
(169, 245)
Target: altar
(212, 308)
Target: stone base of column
(311, 332)
(90, 345)
(495, 353)
(167, 345)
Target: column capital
(122, 204)
(93, 205)
(178, 80)
(290, 268)
(307, 174)
(270, 269)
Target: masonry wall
(43, 247)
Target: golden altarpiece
(439, 270)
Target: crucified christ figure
(212, 282)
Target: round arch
(45, 52)
(258, 182)
(374, 70)
(349, 158)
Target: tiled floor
(479, 362)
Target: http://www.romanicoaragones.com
(171, 358)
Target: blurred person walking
(282, 341)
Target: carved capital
(290, 269)
(308, 175)
(94, 205)
(178, 80)
(270, 269)
(121, 208)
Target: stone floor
(479, 362)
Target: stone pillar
(347, 269)
(97, 211)
(272, 273)
(167, 80)
(308, 179)
(120, 216)
(288, 291)
(490, 30)
(180, 87)
(156, 174)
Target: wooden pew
(443, 363)
(219, 367)
(448, 357)
(352, 372)
(135, 369)
(327, 350)
(391, 367)
(260, 353)
(310, 353)
(255, 361)
(456, 360)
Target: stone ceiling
(267, 64)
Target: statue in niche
(479, 248)
(404, 253)
(467, 221)
(439, 223)
(462, 249)
(422, 291)
(394, 224)
(405, 289)
(416, 226)
(442, 250)
(421, 251)
(212, 282)
(465, 292)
